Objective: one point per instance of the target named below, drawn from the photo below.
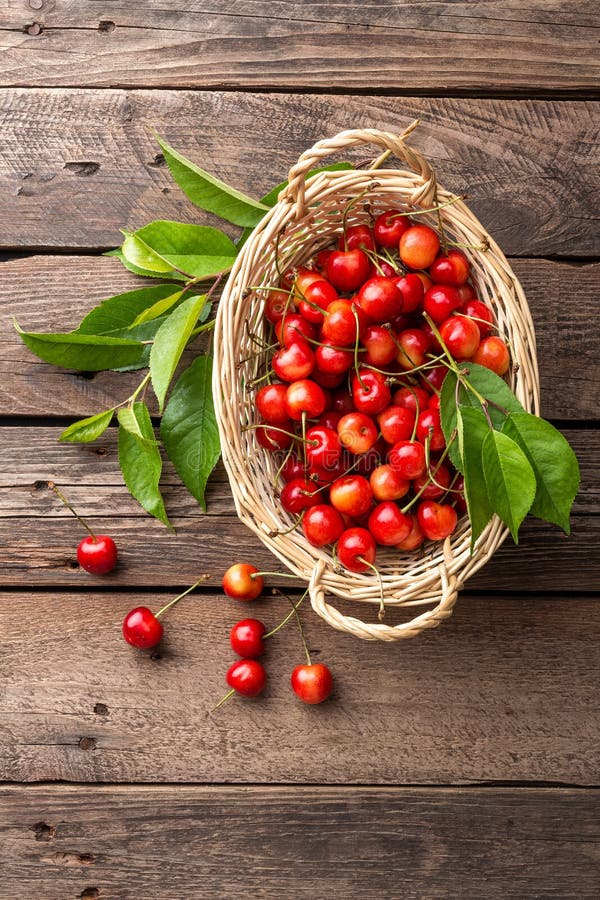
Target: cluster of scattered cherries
(312, 683)
(362, 340)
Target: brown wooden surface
(505, 691)
(490, 46)
(59, 842)
(270, 798)
(46, 293)
(87, 158)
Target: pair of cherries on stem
(311, 682)
(96, 553)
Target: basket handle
(424, 193)
(380, 632)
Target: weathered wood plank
(87, 158)
(53, 293)
(477, 47)
(39, 536)
(61, 841)
(506, 690)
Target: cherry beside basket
(308, 217)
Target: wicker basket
(308, 217)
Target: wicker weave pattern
(308, 217)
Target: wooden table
(461, 764)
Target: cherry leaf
(86, 430)
(509, 479)
(140, 460)
(473, 429)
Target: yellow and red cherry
(414, 345)
(493, 354)
(396, 423)
(357, 432)
(277, 305)
(294, 362)
(386, 484)
(380, 344)
(243, 581)
(305, 398)
(351, 495)
(414, 538)
(343, 323)
(419, 246)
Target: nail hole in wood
(43, 832)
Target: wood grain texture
(505, 691)
(486, 46)
(52, 293)
(356, 843)
(39, 536)
(76, 166)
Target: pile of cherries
(362, 336)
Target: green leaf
(86, 430)
(509, 478)
(189, 428)
(140, 460)
(145, 273)
(554, 464)
(162, 306)
(211, 193)
(196, 250)
(448, 414)
(123, 310)
(170, 342)
(473, 429)
(84, 352)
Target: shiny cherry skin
(414, 345)
(379, 299)
(348, 269)
(386, 484)
(388, 524)
(433, 379)
(298, 494)
(330, 358)
(271, 405)
(461, 336)
(312, 683)
(321, 259)
(493, 354)
(434, 402)
(294, 362)
(141, 628)
(433, 490)
(341, 401)
(419, 246)
(97, 554)
(452, 269)
(414, 398)
(481, 314)
(357, 432)
(389, 227)
(293, 467)
(340, 325)
(323, 447)
(317, 297)
(328, 380)
(396, 423)
(351, 495)
(305, 396)
(293, 329)
(276, 306)
(247, 677)
(407, 458)
(304, 278)
(276, 437)
(322, 524)
(370, 392)
(412, 290)
(415, 537)
(356, 237)
(429, 426)
(246, 638)
(437, 520)
(440, 301)
(380, 345)
(355, 548)
(242, 582)
(330, 419)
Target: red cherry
(241, 582)
(388, 524)
(414, 398)
(370, 392)
(407, 458)
(451, 269)
(292, 468)
(356, 237)
(294, 362)
(322, 524)
(328, 380)
(437, 520)
(312, 683)
(441, 300)
(380, 346)
(434, 378)
(389, 227)
(419, 246)
(379, 299)
(386, 484)
(97, 554)
(141, 628)
(341, 401)
(433, 490)
(278, 437)
(297, 495)
(355, 548)
(305, 396)
(340, 325)
(428, 426)
(304, 279)
(351, 495)
(493, 354)
(317, 297)
(330, 419)
(323, 448)
(415, 537)
(412, 289)
(461, 336)
(347, 269)
(293, 329)
(276, 305)
(434, 402)
(246, 638)
(247, 677)
(357, 432)
(270, 403)
(396, 423)
(467, 292)
(481, 314)
(414, 344)
(333, 359)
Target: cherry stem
(356, 343)
(254, 575)
(267, 427)
(176, 599)
(381, 613)
(429, 478)
(289, 530)
(295, 612)
(287, 618)
(349, 206)
(62, 497)
(224, 699)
